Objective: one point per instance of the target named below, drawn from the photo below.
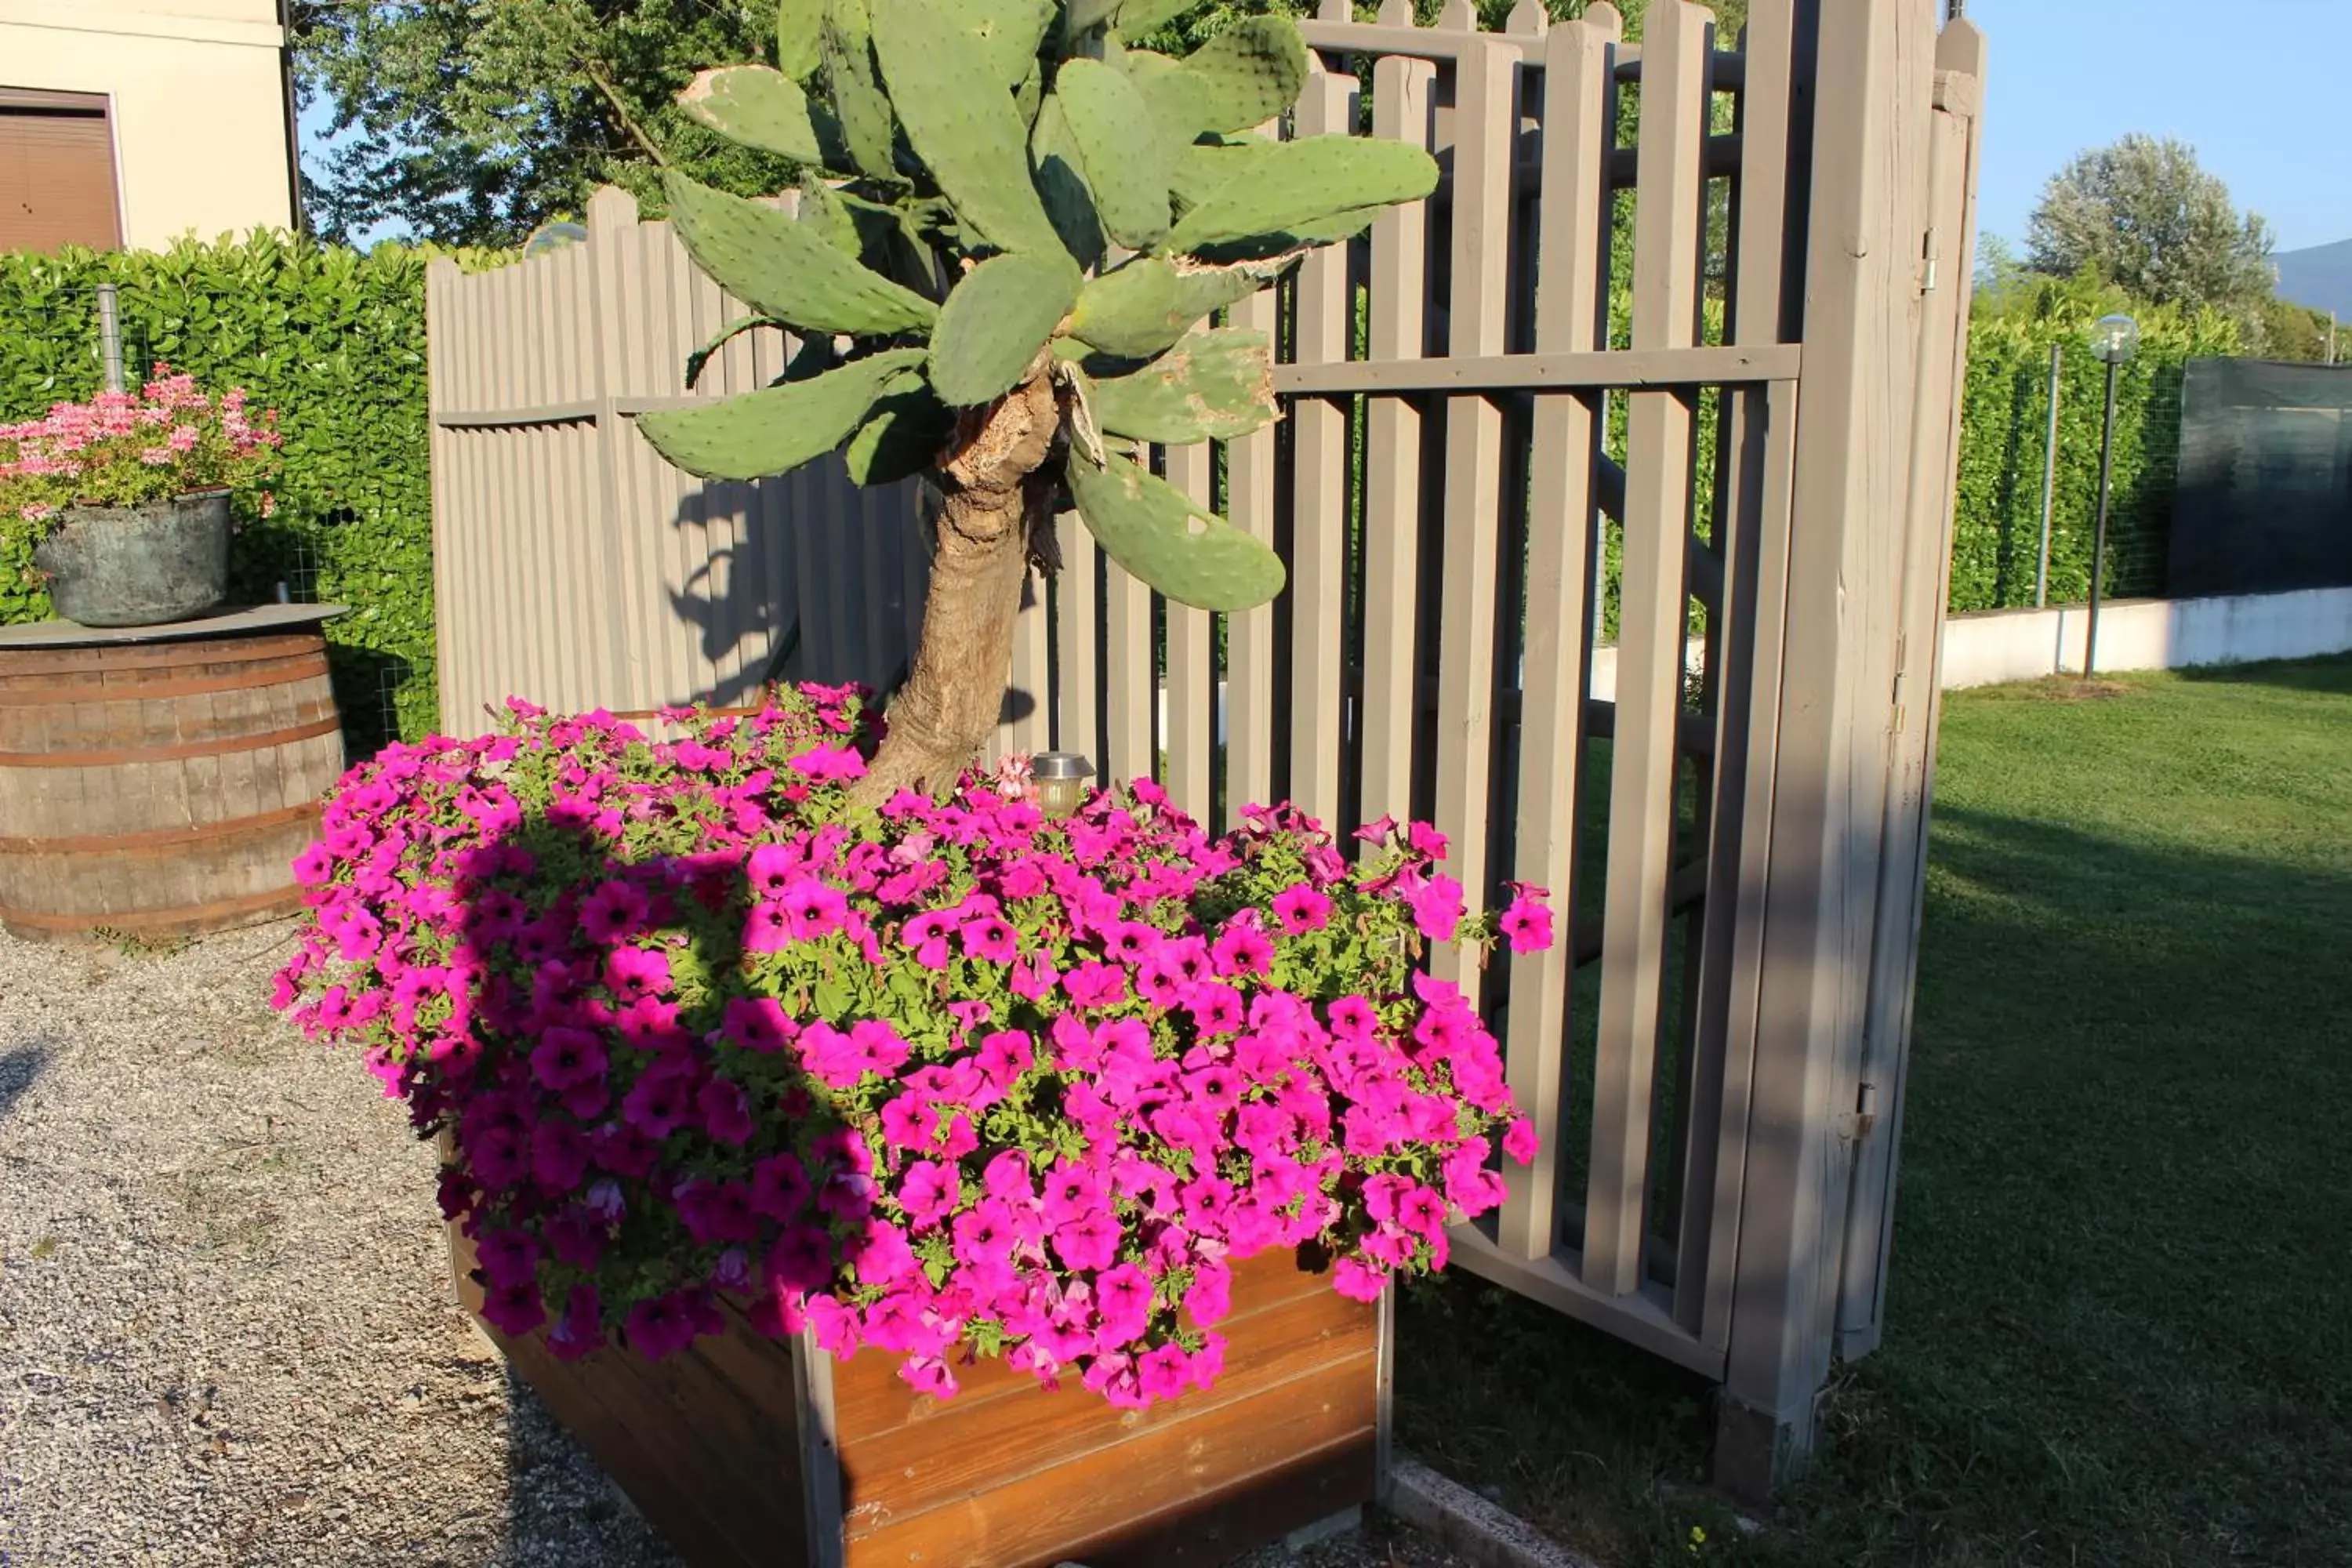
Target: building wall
(197, 96)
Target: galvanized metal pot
(139, 565)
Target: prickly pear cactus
(1011, 227)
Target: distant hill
(2320, 278)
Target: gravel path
(223, 1332)
(224, 1337)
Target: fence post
(1925, 588)
(110, 336)
(1865, 255)
(2049, 478)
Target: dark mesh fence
(2264, 502)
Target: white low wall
(1995, 645)
(1991, 647)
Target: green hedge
(334, 340)
(2004, 433)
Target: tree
(1016, 221)
(2143, 216)
(472, 121)
(2292, 331)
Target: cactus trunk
(945, 713)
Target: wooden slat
(669, 330)
(1642, 1320)
(510, 652)
(957, 1451)
(465, 570)
(1250, 724)
(1485, 121)
(1758, 436)
(1296, 1495)
(1058, 1513)
(1578, 121)
(1670, 226)
(1080, 615)
(1190, 682)
(1402, 110)
(1589, 370)
(1319, 553)
(1132, 686)
(1031, 692)
(621, 245)
(871, 603)
(721, 1488)
(481, 563)
(439, 274)
(871, 1400)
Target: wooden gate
(1615, 486)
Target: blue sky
(2257, 87)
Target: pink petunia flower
(1357, 1280)
(1437, 908)
(1528, 925)
(1302, 909)
(1519, 1141)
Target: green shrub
(334, 340)
(2004, 428)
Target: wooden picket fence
(1631, 582)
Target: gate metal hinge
(1933, 253)
(1856, 1124)
(1902, 669)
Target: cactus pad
(845, 41)
(1213, 385)
(1204, 170)
(1146, 304)
(787, 270)
(1244, 76)
(777, 428)
(798, 23)
(1136, 17)
(1294, 185)
(996, 319)
(1062, 186)
(1148, 527)
(961, 123)
(1006, 33)
(1121, 151)
(905, 434)
(755, 106)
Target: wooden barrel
(161, 789)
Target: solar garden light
(1061, 780)
(2114, 341)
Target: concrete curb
(1483, 1534)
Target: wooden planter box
(746, 1451)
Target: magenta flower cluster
(949, 1080)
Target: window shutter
(57, 176)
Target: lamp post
(2114, 341)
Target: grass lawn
(2119, 1330)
